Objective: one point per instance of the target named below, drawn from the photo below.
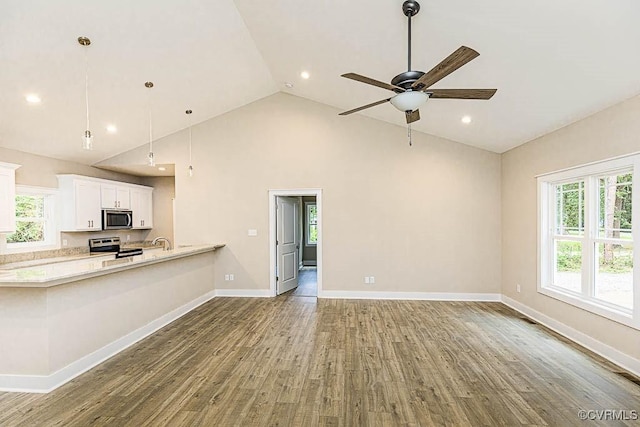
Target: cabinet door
(7, 200)
(142, 208)
(88, 203)
(109, 196)
(123, 198)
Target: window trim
(307, 206)
(545, 183)
(52, 237)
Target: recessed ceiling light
(305, 75)
(162, 168)
(112, 129)
(288, 84)
(466, 120)
(32, 98)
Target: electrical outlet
(231, 277)
(64, 242)
(128, 237)
(366, 279)
(226, 277)
(518, 287)
(372, 280)
(252, 232)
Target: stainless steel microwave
(116, 219)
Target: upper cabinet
(81, 207)
(142, 207)
(84, 198)
(8, 197)
(115, 196)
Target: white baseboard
(619, 358)
(251, 293)
(429, 296)
(47, 383)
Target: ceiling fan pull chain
(409, 134)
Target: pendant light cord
(86, 81)
(150, 125)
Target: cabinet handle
(118, 204)
(89, 224)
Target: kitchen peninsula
(60, 319)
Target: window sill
(621, 315)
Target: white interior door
(287, 244)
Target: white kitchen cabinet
(115, 196)
(8, 197)
(81, 204)
(142, 207)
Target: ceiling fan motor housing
(406, 79)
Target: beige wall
(612, 132)
(163, 195)
(41, 171)
(421, 219)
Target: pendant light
(87, 139)
(151, 161)
(188, 112)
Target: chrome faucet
(163, 240)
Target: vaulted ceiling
(552, 62)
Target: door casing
(317, 192)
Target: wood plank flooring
(295, 361)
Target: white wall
(609, 133)
(421, 219)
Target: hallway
(307, 283)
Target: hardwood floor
(307, 283)
(303, 362)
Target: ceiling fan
(412, 87)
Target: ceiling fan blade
(451, 63)
(370, 81)
(461, 93)
(412, 116)
(373, 104)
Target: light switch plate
(252, 232)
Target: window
(586, 238)
(312, 223)
(35, 225)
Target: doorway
(294, 235)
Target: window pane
(27, 231)
(29, 206)
(313, 233)
(568, 265)
(313, 214)
(570, 208)
(614, 274)
(615, 206)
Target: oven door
(115, 220)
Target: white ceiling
(552, 62)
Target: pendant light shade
(87, 139)
(188, 113)
(150, 160)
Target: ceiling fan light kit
(412, 87)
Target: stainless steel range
(111, 245)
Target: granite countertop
(55, 271)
